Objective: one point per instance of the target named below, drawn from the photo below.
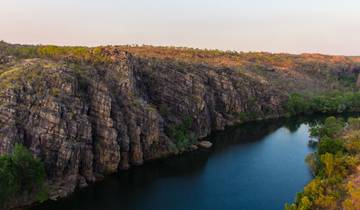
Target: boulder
(205, 144)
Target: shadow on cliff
(127, 185)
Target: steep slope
(87, 112)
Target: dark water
(255, 166)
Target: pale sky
(294, 26)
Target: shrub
(181, 134)
(297, 104)
(337, 157)
(313, 163)
(21, 174)
(75, 54)
(247, 116)
(334, 102)
(332, 146)
(354, 123)
(330, 128)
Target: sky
(293, 26)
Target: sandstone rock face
(85, 121)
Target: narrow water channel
(255, 166)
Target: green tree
(332, 146)
(9, 184)
(181, 134)
(297, 104)
(21, 174)
(330, 128)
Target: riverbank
(242, 163)
(335, 166)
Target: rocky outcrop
(205, 144)
(85, 121)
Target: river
(255, 166)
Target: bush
(297, 104)
(332, 146)
(181, 134)
(354, 123)
(334, 102)
(330, 128)
(21, 174)
(337, 157)
(247, 116)
(75, 54)
(313, 163)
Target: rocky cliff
(86, 119)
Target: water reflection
(257, 165)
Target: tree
(9, 184)
(297, 104)
(332, 146)
(329, 163)
(181, 134)
(330, 128)
(21, 174)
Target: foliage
(353, 201)
(313, 163)
(348, 80)
(181, 134)
(21, 174)
(354, 123)
(31, 72)
(233, 58)
(247, 116)
(351, 144)
(332, 146)
(286, 64)
(336, 159)
(297, 104)
(74, 54)
(335, 102)
(330, 128)
(81, 75)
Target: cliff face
(85, 121)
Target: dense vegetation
(21, 175)
(336, 159)
(181, 133)
(193, 55)
(72, 54)
(234, 58)
(338, 71)
(331, 103)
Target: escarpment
(85, 120)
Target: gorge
(89, 112)
(241, 171)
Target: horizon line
(179, 47)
